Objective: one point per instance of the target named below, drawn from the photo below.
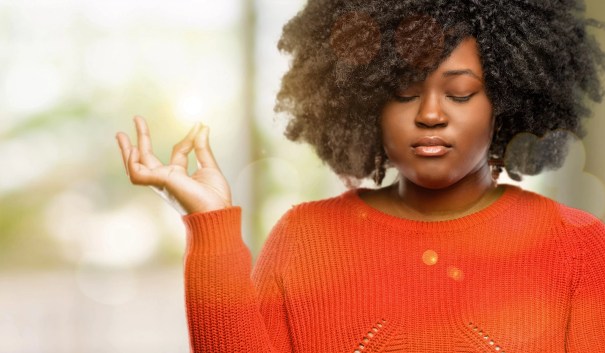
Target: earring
(496, 164)
(379, 169)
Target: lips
(431, 146)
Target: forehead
(464, 57)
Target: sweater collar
(509, 197)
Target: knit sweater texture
(524, 275)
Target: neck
(467, 196)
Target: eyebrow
(461, 72)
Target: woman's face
(438, 132)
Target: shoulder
(583, 228)
(317, 210)
(324, 209)
(306, 221)
(569, 218)
(576, 218)
(578, 230)
(530, 213)
(553, 210)
(297, 228)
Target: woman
(444, 259)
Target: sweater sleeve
(586, 328)
(226, 311)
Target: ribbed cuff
(214, 232)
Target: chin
(436, 185)
(433, 182)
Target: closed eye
(405, 99)
(461, 99)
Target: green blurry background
(90, 263)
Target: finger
(203, 153)
(139, 173)
(144, 143)
(182, 149)
(125, 146)
(143, 135)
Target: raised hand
(205, 190)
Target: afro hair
(348, 58)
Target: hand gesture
(204, 190)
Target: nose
(430, 113)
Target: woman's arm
(226, 312)
(586, 328)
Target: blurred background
(90, 263)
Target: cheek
(395, 125)
(395, 138)
(475, 124)
(474, 147)
(486, 127)
(480, 133)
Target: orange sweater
(524, 275)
